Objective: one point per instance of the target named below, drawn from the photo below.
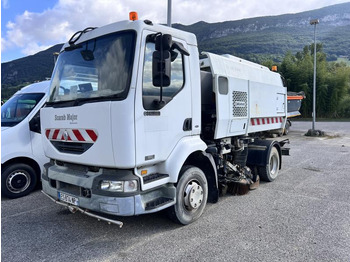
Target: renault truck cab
(22, 154)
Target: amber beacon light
(133, 16)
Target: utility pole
(314, 22)
(169, 13)
(313, 132)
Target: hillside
(273, 36)
(29, 69)
(255, 39)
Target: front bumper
(73, 209)
(77, 180)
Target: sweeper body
(137, 123)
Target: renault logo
(65, 135)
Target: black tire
(18, 180)
(270, 172)
(191, 196)
(286, 128)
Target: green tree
(332, 82)
(338, 85)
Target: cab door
(161, 124)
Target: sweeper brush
(238, 181)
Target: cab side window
(150, 93)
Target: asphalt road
(302, 216)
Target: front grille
(71, 147)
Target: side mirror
(34, 123)
(161, 68)
(161, 62)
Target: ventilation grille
(239, 104)
(71, 147)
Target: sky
(30, 26)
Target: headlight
(115, 186)
(119, 186)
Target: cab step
(157, 203)
(154, 177)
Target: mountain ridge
(255, 39)
(292, 26)
(302, 19)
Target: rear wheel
(270, 171)
(17, 180)
(191, 196)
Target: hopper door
(280, 103)
(231, 106)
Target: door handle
(187, 124)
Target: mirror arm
(180, 47)
(161, 70)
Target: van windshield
(96, 69)
(18, 107)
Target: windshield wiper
(75, 37)
(72, 47)
(68, 103)
(80, 101)
(83, 100)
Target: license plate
(68, 199)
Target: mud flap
(255, 184)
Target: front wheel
(270, 171)
(191, 196)
(17, 180)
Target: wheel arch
(23, 160)
(205, 162)
(259, 152)
(191, 151)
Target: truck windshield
(97, 69)
(18, 107)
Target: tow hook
(74, 209)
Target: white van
(22, 154)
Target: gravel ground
(302, 216)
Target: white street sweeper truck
(136, 123)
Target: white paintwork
(266, 95)
(113, 123)
(19, 141)
(172, 166)
(157, 136)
